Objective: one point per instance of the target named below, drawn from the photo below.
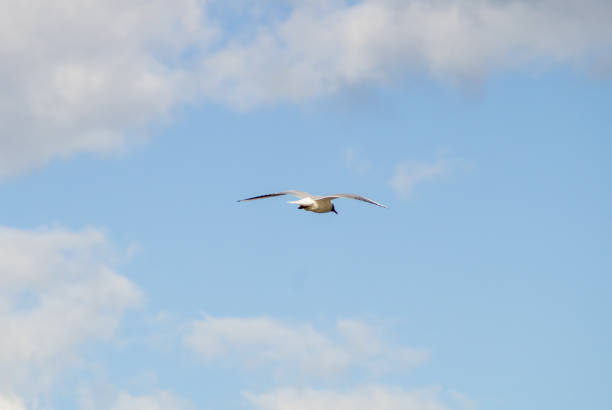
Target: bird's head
(334, 209)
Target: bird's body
(319, 206)
(315, 203)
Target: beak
(334, 211)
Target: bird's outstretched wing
(353, 196)
(297, 194)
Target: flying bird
(315, 203)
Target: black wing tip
(261, 196)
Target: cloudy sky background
(131, 279)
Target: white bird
(315, 203)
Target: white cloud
(88, 76)
(322, 47)
(80, 76)
(298, 348)
(409, 174)
(11, 402)
(57, 292)
(364, 398)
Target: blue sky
(132, 279)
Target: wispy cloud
(462, 400)
(323, 47)
(159, 401)
(356, 161)
(108, 399)
(409, 174)
(362, 398)
(298, 348)
(11, 402)
(57, 291)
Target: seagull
(314, 203)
